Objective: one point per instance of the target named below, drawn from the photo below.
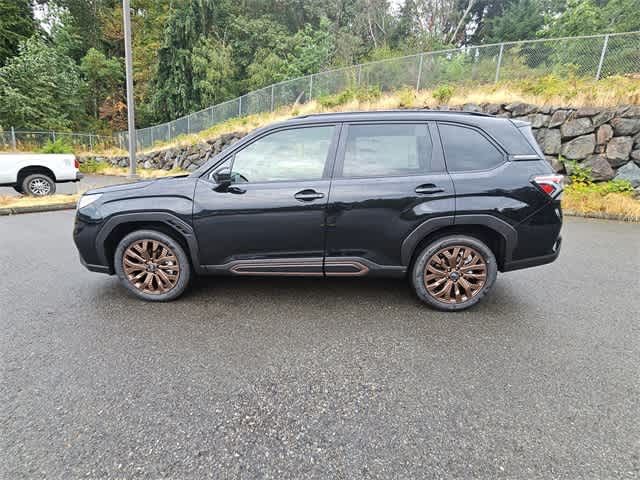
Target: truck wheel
(454, 272)
(152, 265)
(38, 185)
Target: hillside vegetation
(548, 90)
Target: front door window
(288, 155)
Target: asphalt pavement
(312, 378)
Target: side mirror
(222, 179)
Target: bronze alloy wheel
(455, 274)
(151, 266)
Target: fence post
(53, 134)
(13, 139)
(272, 98)
(499, 63)
(168, 131)
(91, 142)
(602, 54)
(310, 87)
(240, 106)
(188, 124)
(359, 73)
(419, 72)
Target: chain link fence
(20, 140)
(596, 56)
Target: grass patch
(103, 168)
(7, 201)
(613, 198)
(621, 205)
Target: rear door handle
(308, 195)
(428, 189)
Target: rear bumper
(79, 176)
(534, 261)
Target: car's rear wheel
(454, 272)
(152, 265)
(38, 185)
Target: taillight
(76, 163)
(552, 185)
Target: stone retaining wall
(606, 140)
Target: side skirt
(307, 267)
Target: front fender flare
(176, 224)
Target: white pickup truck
(36, 174)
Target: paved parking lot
(296, 378)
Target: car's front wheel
(152, 265)
(454, 272)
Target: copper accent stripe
(264, 267)
(361, 269)
(288, 267)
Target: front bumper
(534, 261)
(84, 236)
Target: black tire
(475, 253)
(38, 185)
(18, 188)
(183, 267)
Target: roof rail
(417, 110)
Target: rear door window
(380, 150)
(466, 149)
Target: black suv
(445, 198)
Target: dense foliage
(62, 68)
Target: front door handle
(428, 189)
(308, 195)
(236, 190)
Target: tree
(175, 91)
(213, 72)
(308, 51)
(521, 20)
(16, 25)
(40, 89)
(103, 77)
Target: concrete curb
(38, 208)
(599, 216)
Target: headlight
(86, 200)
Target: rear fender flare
(506, 231)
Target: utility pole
(131, 116)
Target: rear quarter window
(466, 149)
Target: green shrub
(443, 93)
(406, 97)
(582, 181)
(368, 94)
(57, 146)
(332, 101)
(603, 188)
(579, 174)
(362, 94)
(90, 165)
